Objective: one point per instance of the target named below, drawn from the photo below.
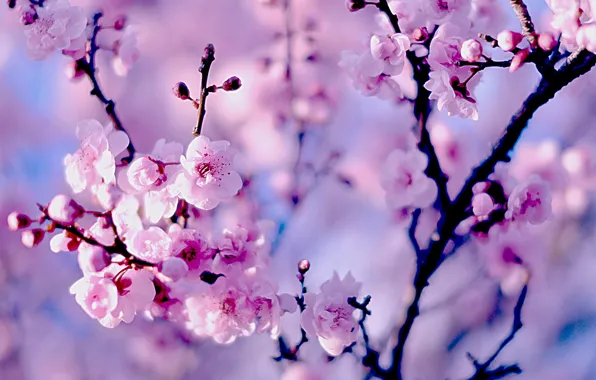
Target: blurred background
(341, 222)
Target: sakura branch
(482, 369)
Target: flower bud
(518, 60)
(509, 40)
(231, 84)
(420, 34)
(120, 22)
(64, 209)
(482, 204)
(181, 91)
(303, 266)
(12, 3)
(32, 238)
(16, 221)
(471, 50)
(173, 268)
(355, 5)
(547, 41)
(73, 71)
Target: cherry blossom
(56, 26)
(389, 53)
(457, 103)
(97, 295)
(328, 316)
(208, 176)
(236, 246)
(93, 163)
(152, 245)
(127, 51)
(530, 202)
(440, 11)
(190, 246)
(361, 69)
(92, 258)
(404, 180)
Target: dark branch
(206, 62)
(482, 370)
(412, 231)
(89, 68)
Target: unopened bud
(355, 5)
(12, 3)
(16, 221)
(518, 60)
(231, 84)
(181, 91)
(471, 50)
(303, 266)
(420, 34)
(74, 71)
(509, 40)
(547, 41)
(120, 23)
(64, 209)
(32, 238)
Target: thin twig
(206, 62)
(482, 370)
(89, 68)
(527, 26)
(412, 231)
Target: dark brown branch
(482, 370)
(206, 62)
(546, 90)
(89, 68)
(527, 26)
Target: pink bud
(231, 84)
(32, 238)
(16, 221)
(173, 268)
(509, 40)
(73, 71)
(518, 60)
(12, 3)
(181, 91)
(482, 204)
(120, 22)
(586, 37)
(92, 258)
(303, 266)
(64, 209)
(547, 41)
(420, 34)
(471, 50)
(355, 5)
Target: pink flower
(586, 37)
(404, 181)
(328, 316)
(93, 164)
(236, 247)
(223, 311)
(127, 51)
(192, 247)
(102, 232)
(64, 209)
(64, 242)
(482, 204)
(530, 202)
(97, 295)
(361, 69)
(445, 48)
(92, 258)
(146, 174)
(56, 27)
(389, 52)
(471, 50)
(208, 177)
(160, 204)
(439, 11)
(238, 305)
(441, 86)
(152, 245)
(126, 216)
(173, 268)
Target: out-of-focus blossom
(530, 202)
(442, 89)
(56, 26)
(152, 245)
(92, 258)
(389, 53)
